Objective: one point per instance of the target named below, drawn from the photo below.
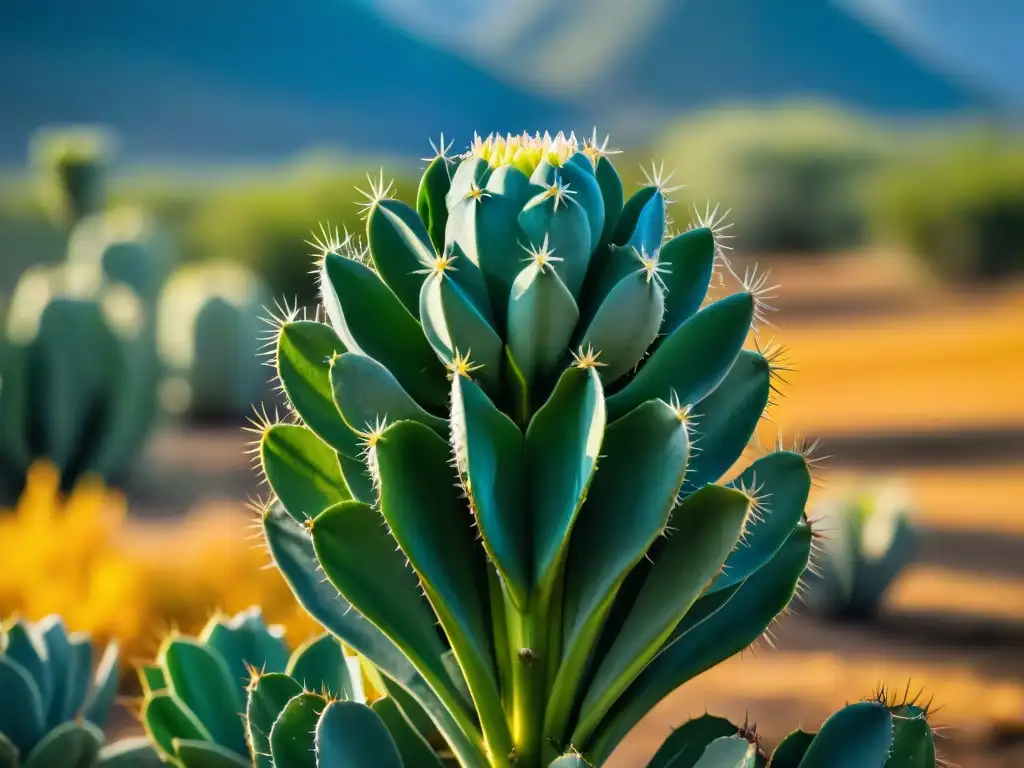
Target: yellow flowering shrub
(80, 556)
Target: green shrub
(794, 176)
(264, 222)
(962, 210)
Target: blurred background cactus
(210, 326)
(79, 378)
(56, 693)
(868, 537)
(128, 247)
(70, 166)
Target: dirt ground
(897, 377)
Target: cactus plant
(210, 326)
(70, 165)
(127, 246)
(52, 704)
(869, 540)
(491, 457)
(882, 732)
(194, 706)
(79, 378)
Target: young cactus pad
(506, 450)
(53, 703)
(878, 733)
(194, 707)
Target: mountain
(638, 63)
(243, 80)
(227, 80)
(981, 41)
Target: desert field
(896, 377)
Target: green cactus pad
(372, 575)
(413, 748)
(25, 647)
(369, 319)
(455, 327)
(204, 754)
(553, 220)
(400, 248)
(542, 316)
(132, 752)
(199, 679)
(683, 748)
(779, 484)
(351, 735)
(304, 352)
(725, 420)
(728, 752)
(688, 263)
(302, 470)
(410, 457)
(320, 661)
(791, 750)
(704, 530)
(367, 394)
(268, 696)
(858, 735)
(489, 458)
(292, 735)
(717, 627)
(166, 718)
(245, 642)
(104, 686)
(22, 719)
(70, 744)
(645, 204)
(430, 199)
